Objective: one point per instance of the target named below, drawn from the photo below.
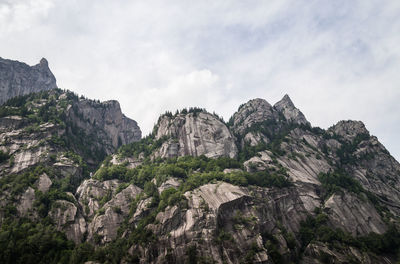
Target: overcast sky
(336, 59)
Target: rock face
(258, 111)
(370, 163)
(258, 122)
(104, 207)
(170, 183)
(68, 219)
(195, 134)
(88, 127)
(26, 202)
(353, 215)
(349, 129)
(90, 192)
(291, 113)
(105, 225)
(253, 112)
(104, 121)
(17, 78)
(247, 215)
(320, 253)
(44, 183)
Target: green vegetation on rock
(195, 171)
(318, 229)
(3, 156)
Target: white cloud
(337, 59)
(201, 85)
(19, 15)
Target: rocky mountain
(17, 78)
(265, 187)
(54, 126)
(104, 122)
(194, 134)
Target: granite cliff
(50, 125)
(194, 134)
(17, 78)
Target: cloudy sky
(336, 59)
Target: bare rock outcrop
(130, 162)
(17, 78)
(302, 160)
(91, 192)
(44, 183)
(291, 113)
(349, 129)
(370, 162)
(257, 121)
(9, 123)
(26, 201)
(253, 112)
(195, 134)
(216, 210)
(354, 215)
(104, 121)
(142, 210)
(104, 226)
(319, 253)
(169, 183)
(68, 219)
(104, 207)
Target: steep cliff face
(54, 121)
(195, 134)
(223, 223)
(105, 122)
(17, 78)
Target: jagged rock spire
(44, 63)
(291, 113)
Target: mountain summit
(290, 112)
(17, 78)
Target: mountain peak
(20, 79)
(44, 63)
(254, 111)
(291, 113)
(349, 129)
(284, 102)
